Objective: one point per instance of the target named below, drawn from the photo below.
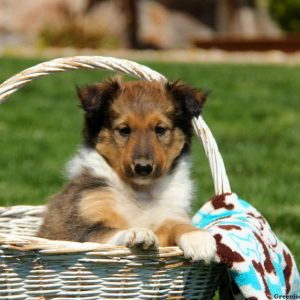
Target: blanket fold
(259, 264)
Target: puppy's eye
(159, 130)
(124, 131)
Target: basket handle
(221, 182)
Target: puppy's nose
(143, 169)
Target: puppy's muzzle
(143, 167)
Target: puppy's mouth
(142, 175)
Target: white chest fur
(169, 198)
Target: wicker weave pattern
(20, 220)
(75, 63)
(39, 269)
(34, 268)
(100, 275)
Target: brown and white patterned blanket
(260, 266)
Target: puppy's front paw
(198, 245)
(137, 237)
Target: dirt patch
(183, 56)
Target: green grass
(253, 112)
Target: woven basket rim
(32, 243)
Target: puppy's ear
(188, 100)
(93, 98)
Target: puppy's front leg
(98, 208)
(195, 243)
(133, 238)
(139, 237)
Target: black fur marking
(88, 182)
(96, 229)
(188, 104)
(188, 101)
(96, 101)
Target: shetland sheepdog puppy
(130, 182)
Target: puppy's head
(141, 128)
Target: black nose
(143, 169)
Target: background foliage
(286, 13)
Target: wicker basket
(35, 268)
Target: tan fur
(174, 147)
(142, 119)
(171, 230)
(99, 206)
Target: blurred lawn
(253, 112)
